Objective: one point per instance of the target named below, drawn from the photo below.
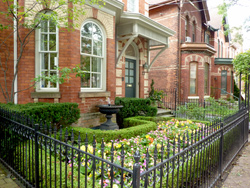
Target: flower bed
(161, 143)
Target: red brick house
(222, 76)
(112, 42)
(191, 64)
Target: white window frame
(135, 7)
(103, 57)
(38, 63)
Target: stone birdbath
(109, 109)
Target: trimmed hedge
(55, 113)
(138, 127)
(133, 107)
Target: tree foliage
(236, 31)
(242, 63)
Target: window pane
(52, 42)
(44, 61)
(85, 62)
(86, 45)
(97, 34)
(126, 79)
(96, 65)
(131, 72)
(44, 26)
(224, 81)
(87, 30)
(192, 86)
(44, 83)
(131, 80)
(96, 80)
(126, 64)
(131, 5)
(44, 42)
(52, 85)
(52, 26)
(97, 48)
(53, 61)
(193, 70)
(86, 80)
(126, 72)
(206, 78)
(131, 65)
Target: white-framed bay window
(93, 57)
(47, 54)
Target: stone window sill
(193, 97)
(46, 95)
(94, 94)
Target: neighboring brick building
(113, 43)
(222, 76)
(190, 65)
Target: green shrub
(236, 91)
(154, 95)
(55, 113)
(136, 127)
(133, 107)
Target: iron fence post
(248, 92)
(240, 92)
(136, 170)
(36, 157)
(221, 149)
(175, 99)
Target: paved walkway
(239, 175)
(6, 180)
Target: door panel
(130, 78)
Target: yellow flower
(158, 146)
(147, 136)
(115, 186)
(118, 146)
(182, 124)
(90, 149)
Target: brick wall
(164, 71)
(6, 52)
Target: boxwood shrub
(138, 127)
(55, 113)
(133, 107)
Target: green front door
(130, 78)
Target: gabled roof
(217, 21)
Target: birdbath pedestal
(109, 110)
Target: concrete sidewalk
(239, 175)
(6, 180)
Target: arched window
(47, 53)
(193, 78)
(92, 56)
(186, 26)
(206, 80)
(221, 49)
(194, 32)
(218, 50)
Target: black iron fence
(207, 109)
(42, 157)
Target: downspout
(179, 49)
(15, 52)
